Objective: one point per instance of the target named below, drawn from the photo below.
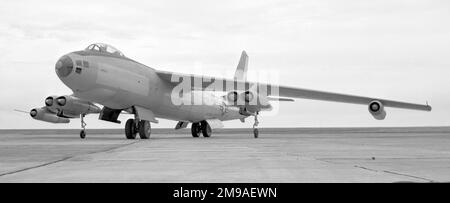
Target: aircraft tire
(195, 129)
(256, 132)
(82, 134)
(144, 129)
(130, 132)
(206, 129)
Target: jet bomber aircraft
(106, 82)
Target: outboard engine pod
(376, 108)
(43, 115)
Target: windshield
(105, 48)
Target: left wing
(220, 84)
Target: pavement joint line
(385, 171)
(401, 174)
(65, 158)
(395, 173)
(369, 169)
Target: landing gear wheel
(256, 132)
(144, 129)
(255, 126)
(82, 134)
(83, 126)
(130, 129)
(206, 129)
(195, 129)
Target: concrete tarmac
(230, 155)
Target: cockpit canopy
(104, 48)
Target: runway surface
(230, 155)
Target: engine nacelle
(376, 108)
(73, 106)
(43, 115)
(51, 104)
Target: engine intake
(232, 96)
(376, 108)
(248, 96)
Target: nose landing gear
(83, 127)
(255, 126)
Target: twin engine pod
(75, 106)
(246, 101)
(60, 109)
(376, 108)
(244, 98)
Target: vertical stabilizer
(241, 70)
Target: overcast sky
(397, 50)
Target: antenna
(21, 111)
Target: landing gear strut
(83, 127)
(255, 126)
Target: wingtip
(429, 108)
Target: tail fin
(241, 70)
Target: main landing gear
(255, 126)
(83, 127)
(134, 126)
(201, 127)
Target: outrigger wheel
(256, 132)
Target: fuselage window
(78, 70)
(78, 62)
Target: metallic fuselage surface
(120, 83)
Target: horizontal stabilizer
(280, 99)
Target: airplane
(102, 75)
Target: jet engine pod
(43, 115)
(51, 104)
(376, 108)
(76, 106)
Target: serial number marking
(246, 192)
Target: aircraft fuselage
(120, 83)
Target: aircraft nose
(64, 66)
